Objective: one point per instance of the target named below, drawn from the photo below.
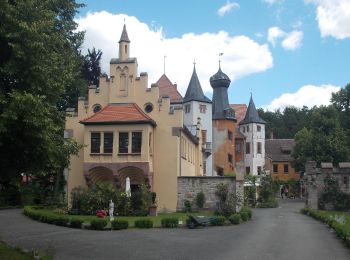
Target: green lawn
(156, 219)
(15, 253)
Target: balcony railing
(206, 147)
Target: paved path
(280, 234)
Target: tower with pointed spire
(224, 125)
(124, 45)
(197, 105)
(253, 129)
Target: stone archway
(100, 174)
(136, 175)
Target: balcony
(206, 147)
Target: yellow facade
(159, 162)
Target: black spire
(124, 37)
(194, 90)
(252, 116)
(220, 82)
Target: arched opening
(136, 175)
(101, 174)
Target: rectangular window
(238, 148)
(108, 143)
(187, 108)
(243, 129)
(259, 170)
(286, 168)
(259, 147)
(247, 148)
(229, 135)
(136, 142)
(202, 108)
(275, 168)
(229, 158)
(204, 136)
(258, 128)
(123, 142)
(247, 170)
(95, 142)
(247, 128)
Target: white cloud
(290, 41)
(242, 55)
(333, 17)
(308, 95)
(228, 7)
(273, 34)
(293, 40)
(271, 2)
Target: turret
(124, 45)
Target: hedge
(235, 219)
(248, 211)
(119, 224)
(170, 222)
(244, 216)
(332, 219)
(217, 221)
(144, 223)
(98, 224)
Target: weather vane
(220, 54)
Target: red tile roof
(119, 114)
(240, 110)
(166, 88)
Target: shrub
(98, 224)
(235, 219)
(226, 205)
(244, 216)
(61, 221)
(170, 222)
(248, 211)
(76, 223)
(101, 213)
(144, 223)
(217, 221)
(188, 206)
(119, 224)
(200, 200)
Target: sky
(284, 52)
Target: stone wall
(314, 180)
(188, 187)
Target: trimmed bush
(217, 221)
(144, 223)
(170, 222)
(119, 224)
(187, 206)
(235, 219)
(98, 224)
(60, 221)
(248, 211)
(76, 223)
(244, 216)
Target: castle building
(224, 125)
(198, 107)
(131, 130)
(253, 129)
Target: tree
(92, 67)
(39, 59)
(323, 141)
